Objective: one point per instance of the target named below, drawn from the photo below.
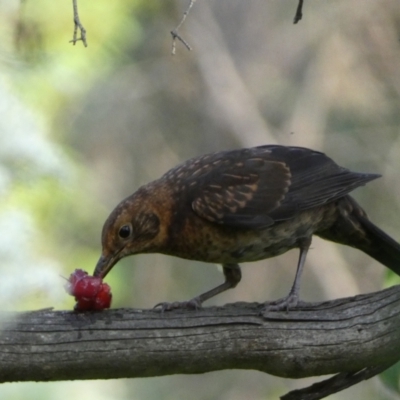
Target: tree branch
(78, 25)
(335, 384)
(341, 336)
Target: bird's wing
(241, 195)
(254, 188)
(315, 180)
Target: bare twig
(335, 384)
(78, 25)
(175, 34)
(299, 12)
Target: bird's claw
(283, 304)
(193, 304)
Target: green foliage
(391, 377)
(49, 217)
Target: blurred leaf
(391, 377)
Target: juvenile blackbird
(245, 205)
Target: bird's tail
(353, 228)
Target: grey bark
(344, 335)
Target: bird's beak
(104, 265)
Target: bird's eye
(124, 231)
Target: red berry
(87, 287)
(90, 292)
(105, 288)
(103, 298)
(76, 276)
(84, 305)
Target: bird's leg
(232, 274)
(292, 299)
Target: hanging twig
(299, 12)
(175, 34)
(78, 25)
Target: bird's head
(133, 227)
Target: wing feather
(256, 187)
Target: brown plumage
(245, 205)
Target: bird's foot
(283, 304)
(193, 304)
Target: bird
(245, 205)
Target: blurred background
(82, 128)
